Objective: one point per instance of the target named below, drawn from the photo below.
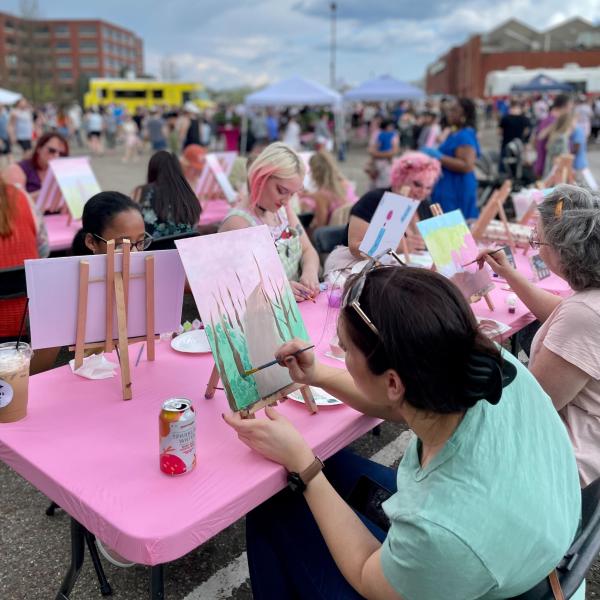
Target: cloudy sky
(226, 43)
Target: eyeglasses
(421, 186)
(352, 297)
(55, 151)
(139, 246)
(534, 241)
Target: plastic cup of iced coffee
(14, 380)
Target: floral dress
(154, 226)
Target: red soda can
(177, 436)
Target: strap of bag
(555, 585)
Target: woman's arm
(320, 217)
(310, 258)
(463, 160)
(561, 380)
(357, 228)
(538, 301)
(15, 175)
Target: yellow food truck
(146, 93)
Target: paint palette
(322, 398)
(192, 342)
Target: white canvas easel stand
(214, 183)
(117, 291)
(436, 211)
(280, 396)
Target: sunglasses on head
(55, 151)
(352, 297)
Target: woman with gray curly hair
(565, 354)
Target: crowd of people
(499, 446)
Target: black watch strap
(297, 482)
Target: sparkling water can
(177, 436)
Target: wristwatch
(297, 482)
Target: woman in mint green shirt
(487, 496)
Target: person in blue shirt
(457, 187)
(581, 166)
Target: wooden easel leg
(123, 342)
(125, 270)
(211, 386)
(84, 277)
(150, 307)
(110, 279)
(309, 399)
(488, 301)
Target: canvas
(53, 284)
(389, 223)
(247, 307)
(452, 247)
(69, 181)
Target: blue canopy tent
(384, 89)
(542, 83)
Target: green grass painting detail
(247, 307)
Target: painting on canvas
(452, 248)
(388, 224)
(247, 307)
(76, 181)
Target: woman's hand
(311, 281)
(497, 261)
(304, 289)
(274, 437)
(415, 242)
(302, 366)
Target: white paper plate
(322, 398)
(194, 342)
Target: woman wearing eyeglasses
(30, 172)
(565, 354)
(110, 216)
(274, 178)
(468, 510)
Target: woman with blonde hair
(274, 177)
(332, 190)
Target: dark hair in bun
(429, 336)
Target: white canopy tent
(8, 97)
(384, 89)
(296, 91)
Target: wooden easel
(562, 172)
(272, 400)
(494, 208)
(436, 211)
(117, 293)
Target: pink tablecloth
(214, 211)
(97, 455)
(553, 284)
(60, 234)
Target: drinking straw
(22, 326)
(274, 362)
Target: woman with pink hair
(274, 178)
(413, 174)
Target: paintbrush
(308, 296)
(137, 362)
(274, 362)
(487, 254)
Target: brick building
(38, 55)
(463, 69)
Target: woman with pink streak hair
(413, 174)
(274, 178)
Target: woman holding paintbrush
(565, 354)
(414, 355)
(274, 178)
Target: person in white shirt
(291, 136)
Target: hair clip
(558, 208)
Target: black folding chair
(168, 242)
(12, 283)
(581, 555)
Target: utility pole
(333, 7)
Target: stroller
(514, 165)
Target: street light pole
(333, 7)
